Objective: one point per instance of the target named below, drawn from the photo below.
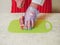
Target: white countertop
(50, 38)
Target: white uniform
(39, 2)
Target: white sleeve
(39, 2)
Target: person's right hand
(20, 3)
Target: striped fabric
(46, 8)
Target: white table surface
(8, 38)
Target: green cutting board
(40, 27)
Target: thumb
(21, 22)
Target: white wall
(5, 6)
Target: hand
(20, 3)
(28, 21)
(26, 24)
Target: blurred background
(5, 6)
(56, 6)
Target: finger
(25, 26)
(29, 25)
(32, 23)
(22, 22)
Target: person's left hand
(28, 20)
